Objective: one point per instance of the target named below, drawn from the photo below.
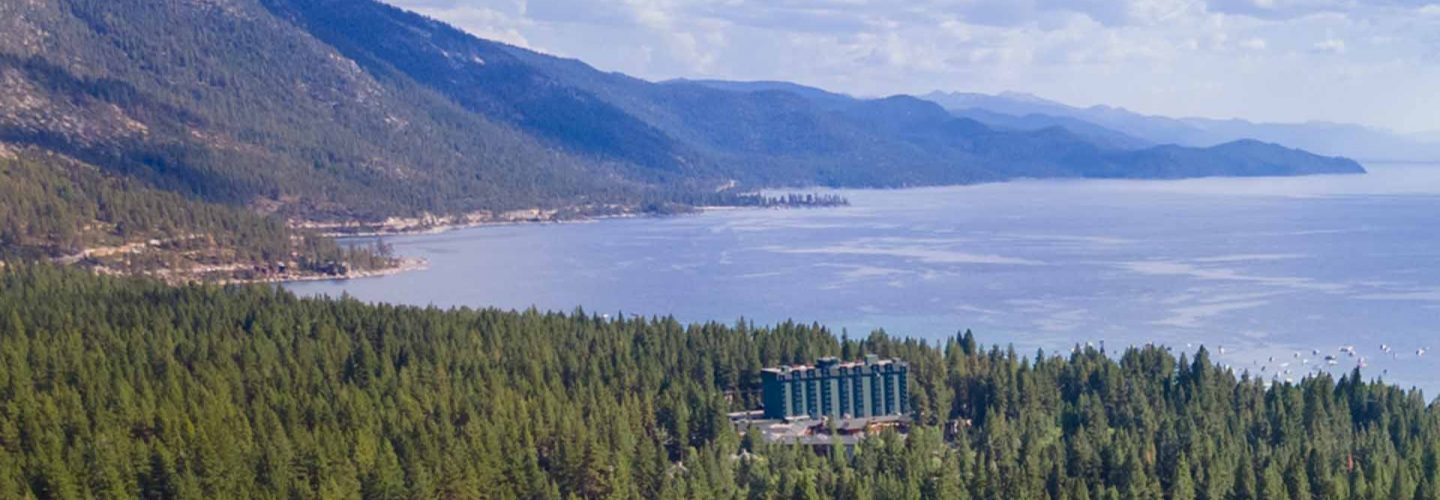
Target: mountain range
(1124, 128)
(354, 109)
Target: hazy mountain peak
(1323, 137)
(1025, 97)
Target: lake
(1280, 272)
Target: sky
(1372, 62)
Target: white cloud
(1257, 59)
(483, 22)
(1255, 43)
(1331, 45)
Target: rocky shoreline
(403, 265)
(430, 224)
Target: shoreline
(431, 224)
(447, 227)
(405, 265)
(444, 228)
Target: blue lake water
(1266, 268)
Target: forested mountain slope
(223, 101)
(128, 388)
(345, 109)
(57, 208)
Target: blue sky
(1374, 62)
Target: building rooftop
(829, 362)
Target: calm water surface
(1266, 268)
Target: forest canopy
(125, 387)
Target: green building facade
(861, 389)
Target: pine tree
(384, 479)
(1183, 485)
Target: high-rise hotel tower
(871, 388)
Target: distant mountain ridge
(1337, 139)
(354, 108)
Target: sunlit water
(1266, 268)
